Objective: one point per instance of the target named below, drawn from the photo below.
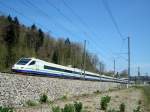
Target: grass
(146, 92)
(6, 109)
(64, 97)
(31, 103)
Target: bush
(122, 107)
(31, 103)
(6, 109)
(68, 108)
(43, 98)
(78, 106)
(56, 109)
(138, 109)
(104, 102)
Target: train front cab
(25, 65)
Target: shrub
(6, 109)
(43, 98)
(104, 102)
(56, 109)
(138, 109)
(78, 106)
(31, 103)
(122, 107)
(68, 108)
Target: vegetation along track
(132, 98)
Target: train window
(23, 61)
(32, 63)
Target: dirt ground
(91, 103)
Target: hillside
(18, 40)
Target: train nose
(17, 67)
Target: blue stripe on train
(50, 74)
(59, 75)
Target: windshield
(23, 61)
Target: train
(36, 66)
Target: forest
(18, 40)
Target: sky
(104, 24)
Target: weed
(104, 102)
(31, 103)
(138, 109)
(43, 98)
(84, 95)
(78, 106)
(68, 108)
(97, 92)
(6, 109)
(139, 102)
(122, 107)
(56, 109)
(50, 102)
(64, 97)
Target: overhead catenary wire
(42, 12)
(68, 19)
(106, 5)
(45, 14)
(83, 23)
(80, 19)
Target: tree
(10, 39)
(41, 38)
(33, 27)
(10, 35)
(17, 29)
(67, 41)
(55, 57)
(16, 21)
(9, 18)
(123, 73)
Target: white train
(43, 68)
